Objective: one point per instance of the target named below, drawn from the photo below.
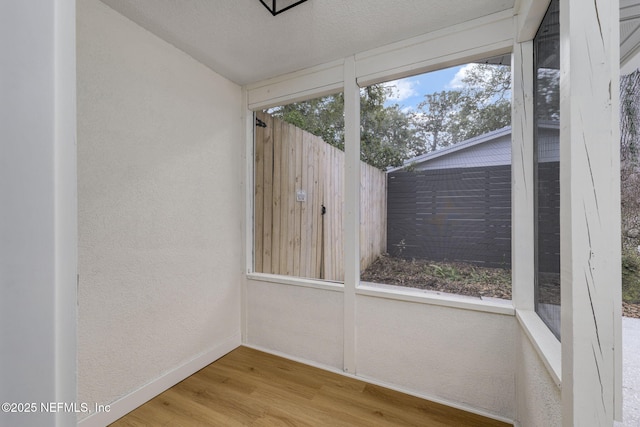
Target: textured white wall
(301, 322)
(461, 356)
(160, 206)
(539, 403)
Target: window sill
(398, 293)
(421, 296)
(543, 340)
(296, 281)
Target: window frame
(490, 35)
(536, 142)
(513, 30)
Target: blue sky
(410, 91)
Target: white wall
(302, 322)
(458, 356)
(37, 209)
(539, 402)
(160, 210)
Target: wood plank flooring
(251, 388)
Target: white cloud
(401, 89)
(456, 82)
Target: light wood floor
(251, 388)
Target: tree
(630, 185)
(386, 133)
(481, 104)
(390, 136)
(629, 118)
(323, 117)
(548, 94)
(434, 120)
(629, 172)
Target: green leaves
(479, 105)
(386, 132)
(390, 135)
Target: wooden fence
(298, 204)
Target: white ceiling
(240, 39)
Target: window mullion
(522, 218)
(351, 209)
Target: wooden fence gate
(298, 204)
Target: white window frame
(484, 37)
(480, 38)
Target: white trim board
(546, 344)
(394, 293)
(313, 82)
(472, 40)
(420, 296)
(296, 281)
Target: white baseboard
(128, 403)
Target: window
(298, 190)
(547, 167)
(438, 148)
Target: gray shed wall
(496, 152)
(461, 214)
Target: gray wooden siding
(548, 210)
(461, 214)
(494, 152)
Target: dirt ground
(631, 310)
(455, 278)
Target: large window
(547, 167)
(438, 147)
(298, 191)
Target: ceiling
(240, 39)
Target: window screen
(547, 167)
